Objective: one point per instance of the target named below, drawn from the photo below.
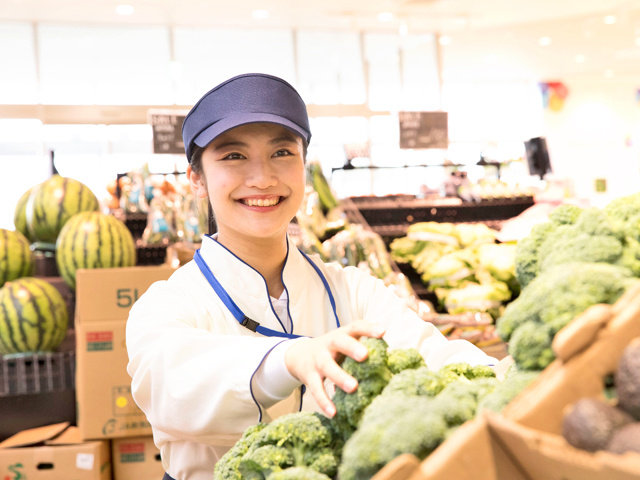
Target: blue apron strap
(231, 305)
(326, 287)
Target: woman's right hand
(313, 360)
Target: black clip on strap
(250, 324)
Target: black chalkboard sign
(424, 129)
(167, 132)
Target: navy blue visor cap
(248, 98)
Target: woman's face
(254, 176)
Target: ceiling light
(385, 16)
(610, 19)
(580, 58)
(260, 14)
(125, 10)
(544, 41)
(444, 40)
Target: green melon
(53, 202)
(33, 316)
(93, 240)
(20, 215)
(16, 258)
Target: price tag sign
(167, 131)
(424, 129)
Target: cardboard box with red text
(136, 457)
(54, 452)
(104, 297)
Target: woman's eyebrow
(285, 137)
(230, 143)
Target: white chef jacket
(192, 363)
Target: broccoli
(514, 382)
(458, 402)
(372, 375)
(296, 439)
(418, 382)
(227, 467)
(298, 473)
(565, 214)
(623, 211)
(468, 371)
(526, 258)
(258, 463)
(404, 358)
(391, 425)
(552, 300)
(530, 346)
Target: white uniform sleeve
(174, 358)
(404, 328)
(272, 381)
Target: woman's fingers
(315, 386)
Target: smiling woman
(257, 319)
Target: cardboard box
(136, 457)
(104, 297)
(54, 452)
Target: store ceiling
(478, 30)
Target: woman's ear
(197, 182)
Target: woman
(233, 336)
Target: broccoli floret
(227, 467)
(298, 473)
(622, 210)
(372, 374)
(530, 346)
(468, 371)
(418, 382)
(392, 425)
(258, 463)
(507, 390)
(458, 402)
(565, 214)
(526, 259)
(403, 359)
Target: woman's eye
(232, 156)
(281, 153)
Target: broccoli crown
(391, 425)
(258, 463)
(227, 467)
(458, 402)
(372, 374)
(419, 381)
(505, 391)
(623, 209)
(565, 214)
(404, 358)
(298, 473)
(526, 259)
(468, 371)
(530, 346)
(560, 293)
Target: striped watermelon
(53, 202)
(16, 258)
(33, 316)
(20, 215)
(93, 240)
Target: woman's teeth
(261, 202)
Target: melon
(16, 258)
(33, 316)
(53, 202)
(93, 240)
(20, 215)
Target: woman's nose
(261, 174)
